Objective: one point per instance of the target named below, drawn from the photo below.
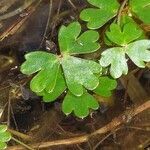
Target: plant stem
(20, 135)
(113, 125)
(120, 11)
(21, 143)
(48, 21)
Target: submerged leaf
(79, 104)
(104, 11)
(106, 85)
(70, 42)
(115, 57)
(141, 8)
(79, 72)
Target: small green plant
(5, 136)
(58, 72)
(79, 77)
(124, 36)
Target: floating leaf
(106, 85)
(79, 72)
(104, 11)
(123, 35)
(137, 51)
(141, 8)
(70, 41)
(80, 105)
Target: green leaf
(36, 61)
(45, 79)
(3, 128)
(79, 72)
(141, 8)
(139, 52)
(70, 42)
(5, 136)
(106, 85)
(104, 11)
(115, 57)
(58, 90)
(47, 64)
(56, 73)
(3, 145)
(80, 105)
(123, 35)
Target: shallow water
(24, 27)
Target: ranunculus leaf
(138, 52)
(104, 11)
(80, 105)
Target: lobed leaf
(71, 42)
(76, 73)
(79, 72)
(57, 91)
(47, 65)
(125, 33)
(138, 52)
(115, 57)
(5, 136)
(45, 79)
(36, 61)
(3, 145)
(105, 87)
(79, 105)
(97, 17)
